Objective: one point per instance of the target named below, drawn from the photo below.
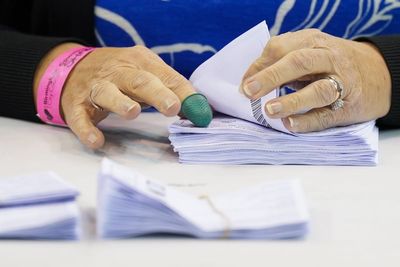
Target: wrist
(45, 62)
(51, 77)
(380, 71)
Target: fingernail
(168, 103)
(241, 90)
(129, 106)
(252, 88)
(92, 138)
(274, 107)
(293, 123)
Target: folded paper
(130, 205)
(38, 206)
(219, 78)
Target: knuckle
(141, 49)
(293, 102)
(273, 76)
(143, 54)
(325, 119)
(303, 123)
(255, 68)
(332, 60)
(316, 37)
(313, 32)
(98, 91)
(259, 64)
(333, 55)
(325, 92)
(302, 61)
(321, 38)
(274, 48)
(141, 79)
(273, 43)
(174, 81)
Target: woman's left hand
(303, 60)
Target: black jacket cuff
(20, 54)
(389, 47)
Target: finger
(171, 79)
(275, 49)
(80, 123)
(258, 65)
(281, 45)
(316, 120)
(293, 66)
(145, 87)
(107, 95)
(318, 94)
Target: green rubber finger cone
(196, 109)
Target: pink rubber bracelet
(52, 82)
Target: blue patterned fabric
(187, 32)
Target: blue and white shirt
(187, 32)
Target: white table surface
(355, 211)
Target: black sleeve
(389, 47)
(20, 54)
(28, 30)
(55, 18)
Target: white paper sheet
(219, 78)
(33, 188)
(38, 206)
(29, 217)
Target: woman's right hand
(119, 80)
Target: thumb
(81, 124)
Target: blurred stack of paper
(131, 205)
(229, 140)
(255, 138)
(40, 206)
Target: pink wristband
(52, 82)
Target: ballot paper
(38, 206)
(248, 135)
(219, 78)
(130, 205)
(230, 140)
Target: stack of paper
(249, 136)
(132, 205)
(233, 141)
(40, 206)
